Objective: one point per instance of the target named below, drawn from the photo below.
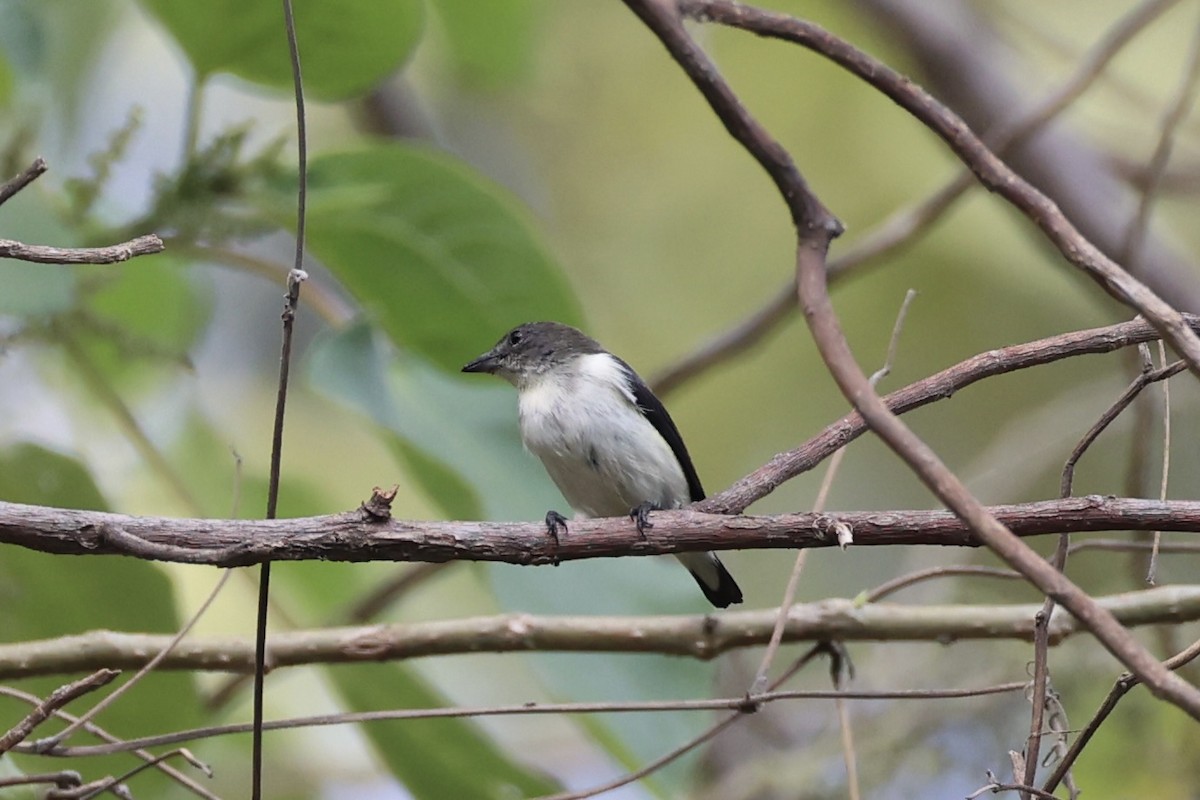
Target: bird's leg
(554, 521)
(641, 516)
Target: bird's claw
(554, 521)
(641, 517)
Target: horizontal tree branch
(112, 254)
(363, 536)
(700, 636)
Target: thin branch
(101, 733)
(1119, 546)
(112, 254)
(153, 763)
(532, 709)
(939, 386)
(699, 636)
(63, 778)
(913, 578)
(1144, 379)
(291, 303)
(1124, 683)
(57, 699)
(22, 179)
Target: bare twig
(101, 733)
(740, 704)
(1124, 683)
(911, 579)
(291, 303)
(995, 787)
(22, 179)
(63, 779)
(1143, 380)
(57, 699)
(699, 636)
(112, 254)
(104, 786)
(789, 464)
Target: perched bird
(605, 439)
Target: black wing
(656, 413)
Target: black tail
(725, 592)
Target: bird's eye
(514, 337)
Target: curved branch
(700, 636)
(44, 254)
(939, 386)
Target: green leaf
(442, 259)
(492, 44)
(467, 427)
(346, 47)
(434, 758)
(144, 314)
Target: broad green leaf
(346, 47)
(467, 427)
(491, 43)
(443, 260)
(147, 313)
(46, 595)
(434, 758)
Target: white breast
(603, 455)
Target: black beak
(488, 362)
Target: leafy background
(477, 165)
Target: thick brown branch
(697, 636)
(44, 254)
(356, 536)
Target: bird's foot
(641, 516)
(554, 521)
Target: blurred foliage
(346, 47)
(567, 170)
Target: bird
(604, 438)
